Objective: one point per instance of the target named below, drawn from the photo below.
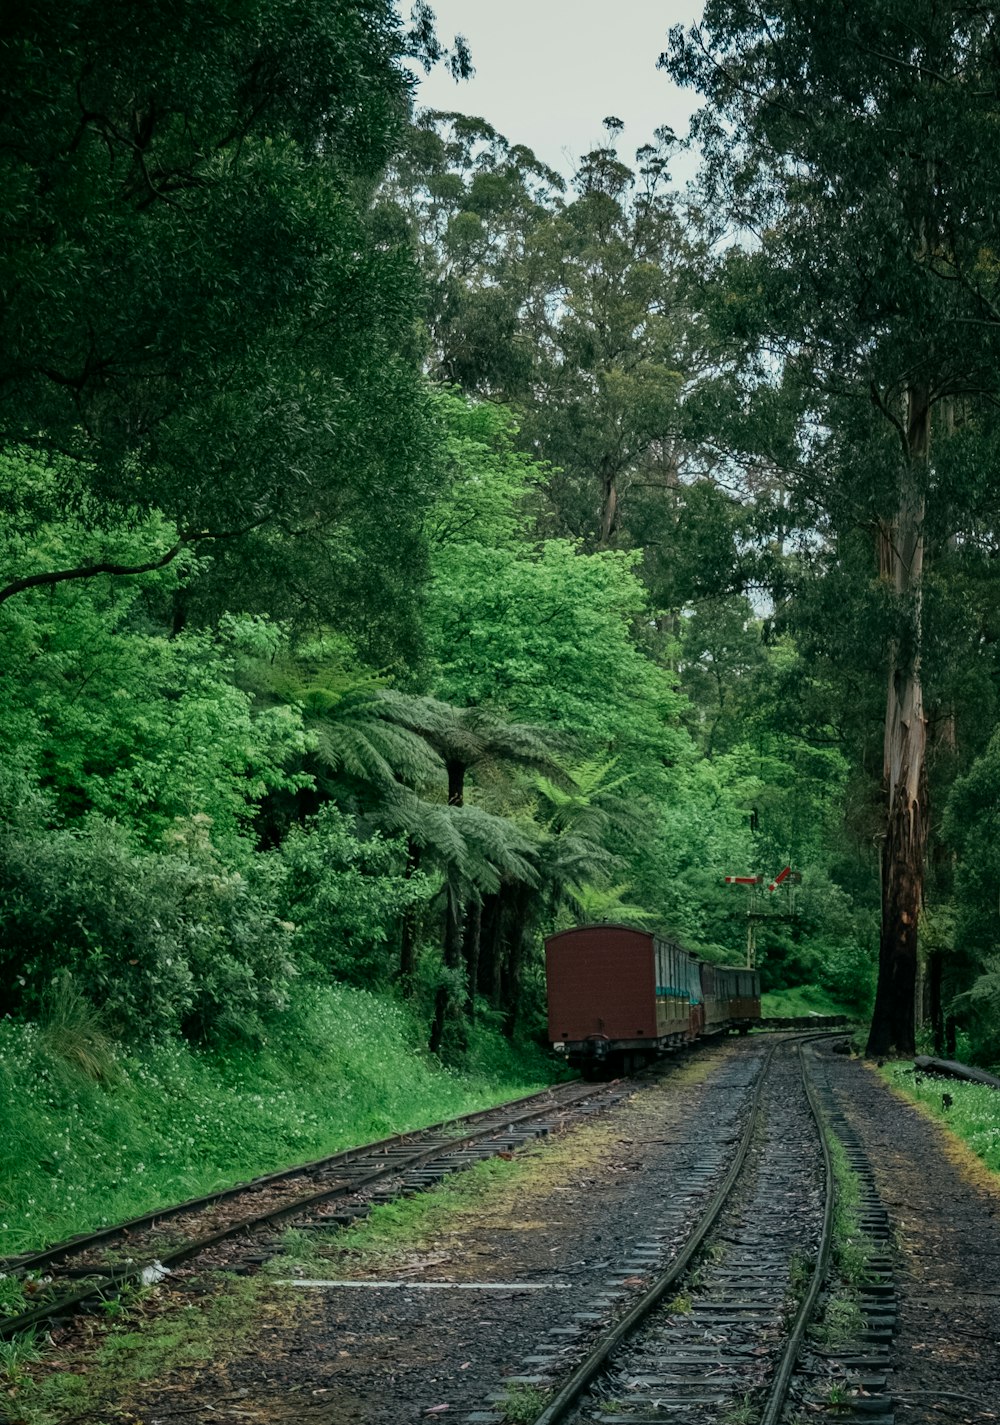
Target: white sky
(548, 72)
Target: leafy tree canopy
(192, 298)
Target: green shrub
(163, 942)
(346, 897)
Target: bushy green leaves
(109, 714)
(164, 940)
(193, 299)
(347, 897)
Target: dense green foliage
(405, 553)
(875, 337)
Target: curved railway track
(721, 1335)
(72, 1275)
(717, 1332)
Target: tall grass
(800, 1000)
(973, 1113)
(73, 1036)
(92, 1134)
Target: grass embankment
(94, 1135)
(973, 1115)
(800, 1000)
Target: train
(619, 997)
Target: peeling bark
(902, 558)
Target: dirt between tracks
(945, 1212)
(556, 1224)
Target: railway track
(76, 1274)
(725, 1333)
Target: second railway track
(72, 1275)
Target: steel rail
(108, 1283)
(778, 1393)
(590, 1368)
(22, 1262)
(19, 1263)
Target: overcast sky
(548, 71)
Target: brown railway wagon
(619, 996)
(731, 996)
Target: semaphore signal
(753, 914)
(759, 880)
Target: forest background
(406, 553)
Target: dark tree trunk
(609, 502)
(471, 946)
(514, 964)
(902, 555)
(892, 1030)
(934, 976)
(456, 783)
(440, 1019)
(489, 947)
(454, 921)
(499, 967)
(408, 930)
(512, 997)
(178, 622)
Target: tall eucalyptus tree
(853, 146)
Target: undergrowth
(131, 1352)
(94, 1135)
(800, 1000)
(522, 1404)
(971, 1111)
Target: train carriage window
(693, 978)
(662, 967)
